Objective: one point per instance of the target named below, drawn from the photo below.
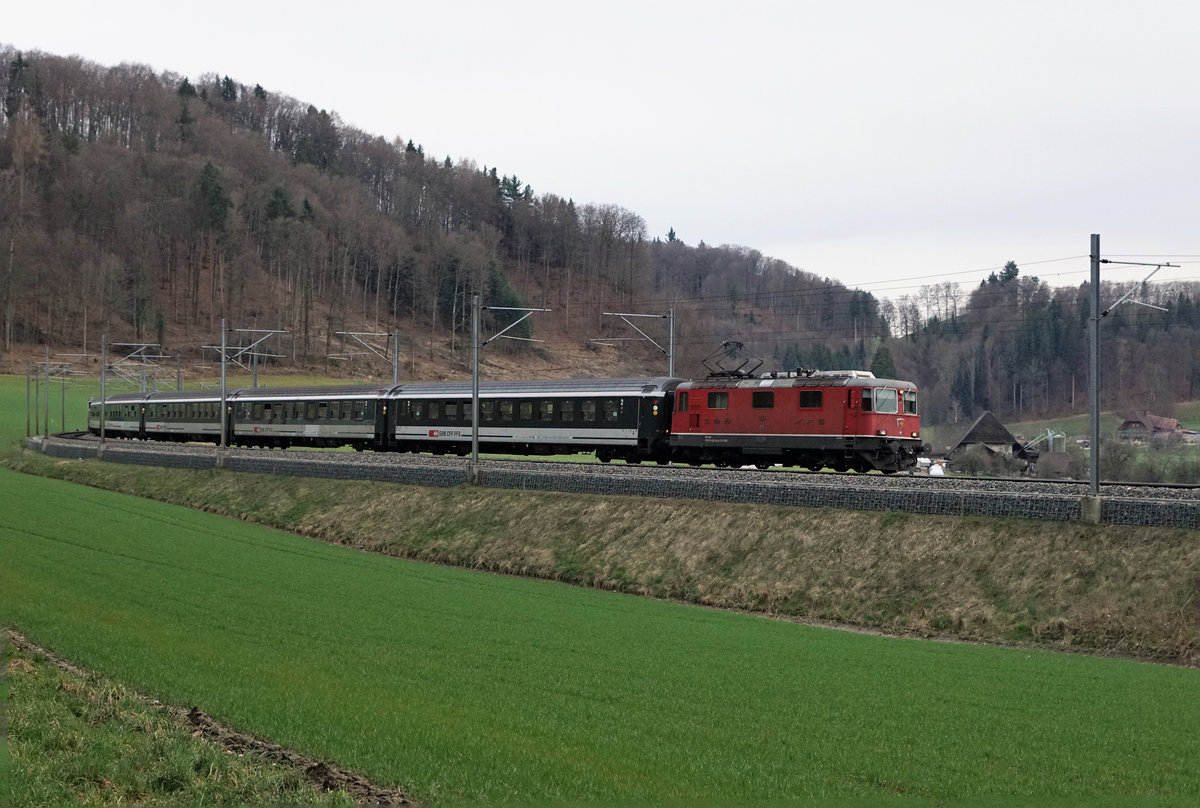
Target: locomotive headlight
(881, 432)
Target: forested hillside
(147, 207)
(1020, 348)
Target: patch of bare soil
(319, 772)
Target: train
(844, 420)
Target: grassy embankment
(601, 697)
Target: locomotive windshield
(879, 399)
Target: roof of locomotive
(548, 387)
(821, 378)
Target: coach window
(587, 408)
(566, 411)
(718, 401)
(810, 399)
(487, 410)
(360, 410)
(435, 410)
(526, 410)
(546, 410)
(762, 400)
(910, 402)
(612, 409)
(886, 400)
(681, 401)
(506, 410)
(451, 411)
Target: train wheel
(762, 466)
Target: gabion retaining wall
(1067, 507)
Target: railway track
(1131, 503)
(774, 476)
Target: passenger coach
(279, 417)
(624, 419)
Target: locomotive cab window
(867, 406)
(681, 401)
(910, 402)
(718, 401)
(810, 399)
(762, 400)
(886, 400)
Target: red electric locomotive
(813, 419)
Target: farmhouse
(1147, 427)
(987, 431)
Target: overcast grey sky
(884, 144)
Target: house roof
(986, 429)
(1151, 423)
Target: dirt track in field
(321, 773)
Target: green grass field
(462, 686)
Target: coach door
(385, 420)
